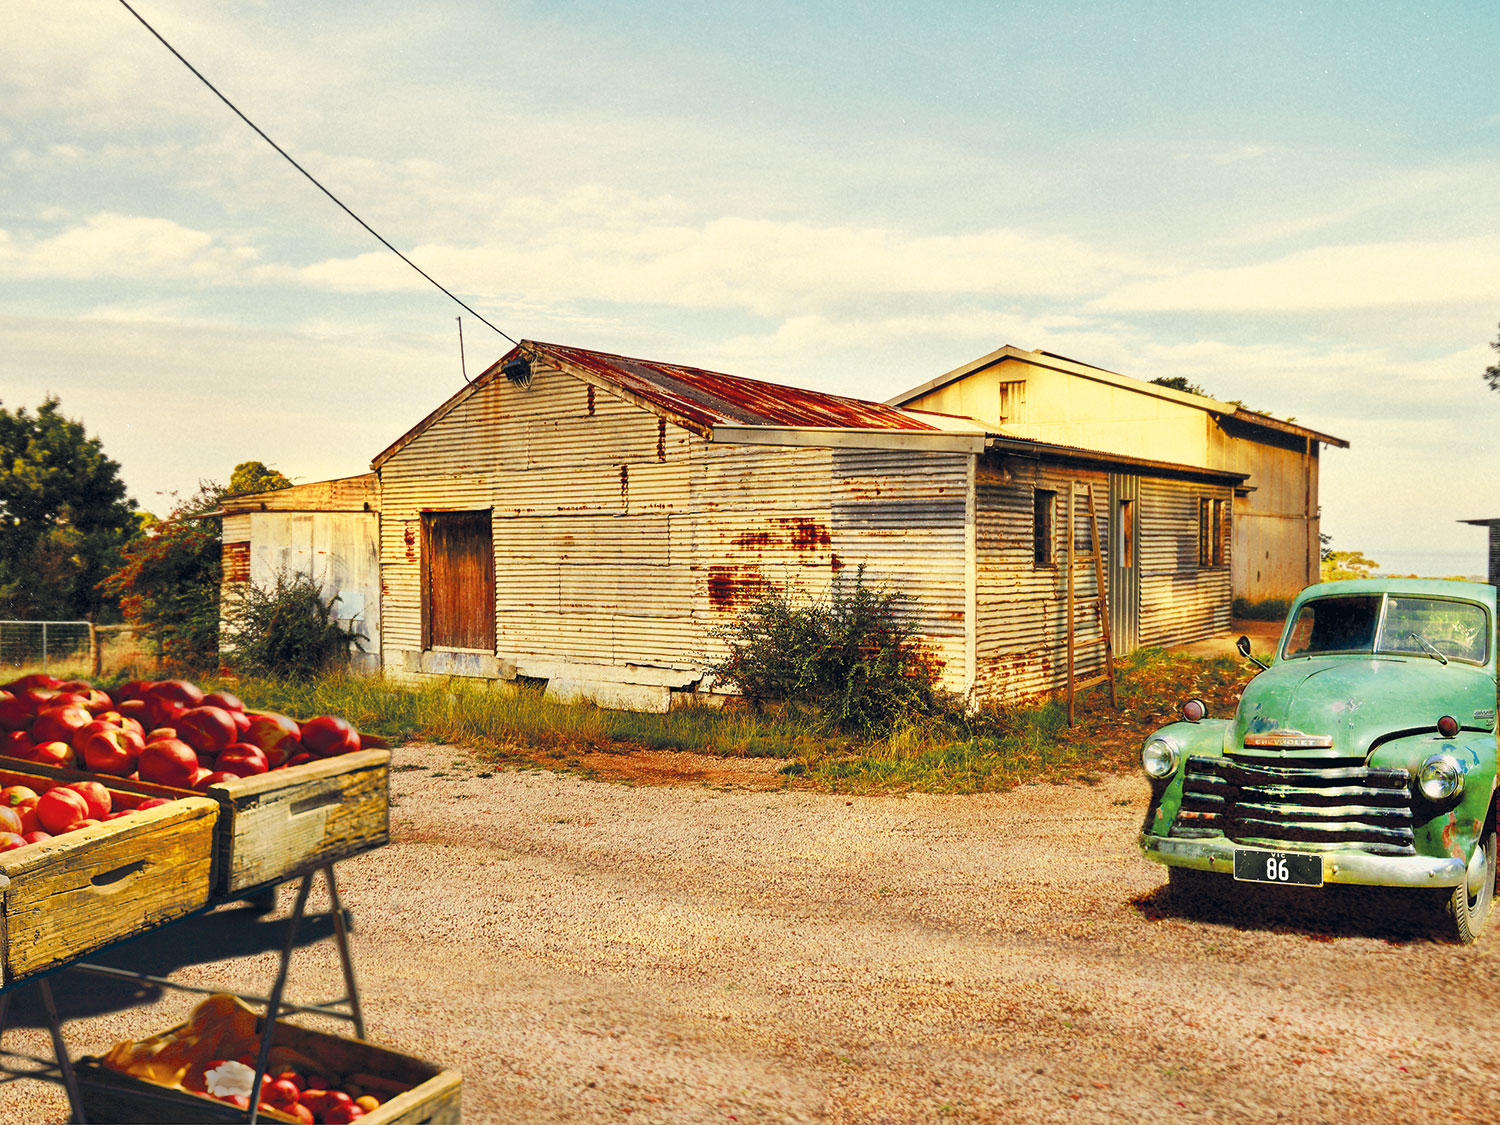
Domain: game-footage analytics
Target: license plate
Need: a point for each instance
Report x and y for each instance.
(1296, 869)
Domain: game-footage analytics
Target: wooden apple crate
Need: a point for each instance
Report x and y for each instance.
(290, 821)
(64, 897)
(432, 1098)
(285, 822)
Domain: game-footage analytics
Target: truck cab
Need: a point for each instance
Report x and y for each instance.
(1363, 752)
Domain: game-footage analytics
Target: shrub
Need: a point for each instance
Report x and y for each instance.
(285, 629)
(853, 658)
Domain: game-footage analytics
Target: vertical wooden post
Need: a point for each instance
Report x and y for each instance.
(96, 653)
(1069, 532)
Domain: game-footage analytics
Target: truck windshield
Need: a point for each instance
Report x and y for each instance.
(1396, 623)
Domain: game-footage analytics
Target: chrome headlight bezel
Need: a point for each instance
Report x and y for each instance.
(1440, 778)
(1160, 757)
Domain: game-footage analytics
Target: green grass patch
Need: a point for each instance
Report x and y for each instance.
(995, 748)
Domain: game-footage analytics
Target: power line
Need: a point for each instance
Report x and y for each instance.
(311, 178)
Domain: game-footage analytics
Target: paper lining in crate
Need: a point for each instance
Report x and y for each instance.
(80, 890)
(156, 1079)
(286, 821)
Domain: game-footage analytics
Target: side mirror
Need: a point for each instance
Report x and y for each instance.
(1242, 646)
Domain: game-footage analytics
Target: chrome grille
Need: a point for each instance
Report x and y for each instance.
(1336, 804)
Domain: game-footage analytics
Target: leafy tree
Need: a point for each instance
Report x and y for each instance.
(168, 586)
(253, 476)
(1181, 383)
(1347, 564)
(64, 515)
(1492, 372)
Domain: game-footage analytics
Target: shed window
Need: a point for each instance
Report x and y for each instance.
(1210, 532)
(460, 581)
(1044, 527)
(1125, 535)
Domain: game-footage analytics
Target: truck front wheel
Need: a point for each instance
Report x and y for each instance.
(1472, 899)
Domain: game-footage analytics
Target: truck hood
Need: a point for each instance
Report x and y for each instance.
(1356, 700)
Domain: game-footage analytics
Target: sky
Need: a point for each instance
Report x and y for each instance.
(1291, 205)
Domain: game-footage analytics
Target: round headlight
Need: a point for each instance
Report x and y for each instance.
(1159, 758)
(1194, 710)
(1440, 779)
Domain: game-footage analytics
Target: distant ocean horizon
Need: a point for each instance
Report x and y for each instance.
(1433, 564)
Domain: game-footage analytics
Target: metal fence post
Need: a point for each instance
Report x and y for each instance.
(44, 646)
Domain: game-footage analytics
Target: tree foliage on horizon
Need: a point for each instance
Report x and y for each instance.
(1492, 372)
(254, 476)
(64, 515)
(1181, 383)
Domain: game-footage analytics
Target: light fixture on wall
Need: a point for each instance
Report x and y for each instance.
(518, 370)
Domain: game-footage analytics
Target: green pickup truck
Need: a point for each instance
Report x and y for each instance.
(1363, 752)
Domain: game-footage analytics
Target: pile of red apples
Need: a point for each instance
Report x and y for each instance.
(166, 732)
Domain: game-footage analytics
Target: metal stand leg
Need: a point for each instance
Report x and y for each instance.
(273, 1006)
(341, 936)
(60, 1050)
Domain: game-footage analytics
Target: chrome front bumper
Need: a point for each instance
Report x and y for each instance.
(1338, 867)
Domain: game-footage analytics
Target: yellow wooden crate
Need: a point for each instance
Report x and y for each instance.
(64, 897)
(284, 822)
(288, 821)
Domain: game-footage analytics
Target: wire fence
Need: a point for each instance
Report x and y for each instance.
(45, 644)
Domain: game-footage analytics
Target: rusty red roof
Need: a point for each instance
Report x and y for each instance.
(712, 398)
(691, 396)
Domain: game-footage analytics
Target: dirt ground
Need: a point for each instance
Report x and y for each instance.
(722, 949)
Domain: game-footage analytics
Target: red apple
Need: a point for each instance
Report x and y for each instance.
(153, 803)
(15, 744)
(10, 840)
(299, 759)
(178, 691)
(10, 820)
(113, 750)
(206, 729)
(242, 760)
(130, 689)
(60, 809)
(33, 680)
(14, 795)
(168, 761)
(36, 836)
(275, 734)
(241, 723)
(16, 712)
(160, 733)
(327, 736)
(95, 794)
(58, 754)
(223, 699)
(137, 710)
(162, 712)
(207, 779)
(59, 724)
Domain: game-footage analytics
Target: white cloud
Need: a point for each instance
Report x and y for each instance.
(1370, 275)
(122, 246)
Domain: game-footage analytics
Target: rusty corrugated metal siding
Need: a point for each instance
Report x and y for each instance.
(1021, 631)
(905, 516)
(1180, 601)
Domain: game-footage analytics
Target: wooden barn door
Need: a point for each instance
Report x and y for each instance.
(459, 560)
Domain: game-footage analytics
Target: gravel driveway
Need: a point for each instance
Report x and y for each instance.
(590, 951)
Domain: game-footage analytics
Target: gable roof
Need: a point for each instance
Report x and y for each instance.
(705, 401)
(1056, 362)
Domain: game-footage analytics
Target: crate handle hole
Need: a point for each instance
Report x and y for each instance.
(316, 801)
(109, 878)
